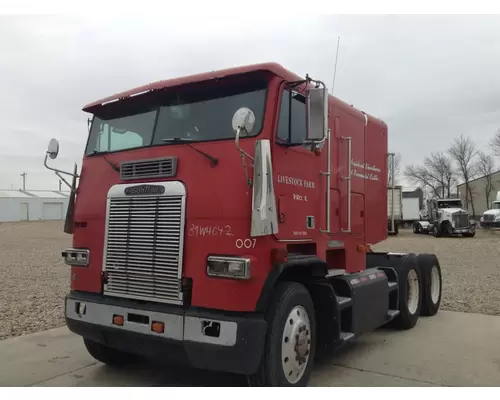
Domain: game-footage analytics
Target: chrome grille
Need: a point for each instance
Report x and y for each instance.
(488, 217)
(165, 167)
(461, 220)
(143, 254)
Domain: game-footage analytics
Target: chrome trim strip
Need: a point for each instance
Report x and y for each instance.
(177, 327)
(264, 213)
(102, 315)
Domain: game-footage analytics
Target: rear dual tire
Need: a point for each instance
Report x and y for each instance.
(432, 282)
(410, 294)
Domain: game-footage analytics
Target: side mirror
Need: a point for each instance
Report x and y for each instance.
(243, 120)
(53, 148)
(317, 114)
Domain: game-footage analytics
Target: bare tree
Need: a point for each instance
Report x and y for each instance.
(397, 169)
(485, 167)
(464, 151)
(436, 174)
(495, 143)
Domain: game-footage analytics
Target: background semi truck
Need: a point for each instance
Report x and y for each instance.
(491, 217)
(446, 217)
(224, 220)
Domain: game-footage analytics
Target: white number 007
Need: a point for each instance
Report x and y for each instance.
(247, 243)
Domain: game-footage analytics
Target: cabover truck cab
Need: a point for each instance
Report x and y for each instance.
(446, 218)
(224, 221)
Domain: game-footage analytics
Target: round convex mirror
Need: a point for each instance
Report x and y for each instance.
(53, 148)
(244, 118)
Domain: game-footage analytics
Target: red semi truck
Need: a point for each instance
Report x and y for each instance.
(224, 221)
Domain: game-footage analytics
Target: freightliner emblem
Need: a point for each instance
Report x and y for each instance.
(144, 190)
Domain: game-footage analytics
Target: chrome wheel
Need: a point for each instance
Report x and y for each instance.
(413, 291)
(435, 284)
(296, 344)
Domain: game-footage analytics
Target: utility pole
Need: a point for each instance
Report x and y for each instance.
(24, 180)
(60, 185)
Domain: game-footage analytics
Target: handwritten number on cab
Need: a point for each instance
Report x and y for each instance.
(219, 230)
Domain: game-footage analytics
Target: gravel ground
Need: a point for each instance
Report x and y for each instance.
(34, 279)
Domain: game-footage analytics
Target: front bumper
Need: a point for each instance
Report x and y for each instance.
(463, 230)
(237, 346)
(490, 224)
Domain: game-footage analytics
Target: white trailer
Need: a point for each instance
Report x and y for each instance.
(411, 210)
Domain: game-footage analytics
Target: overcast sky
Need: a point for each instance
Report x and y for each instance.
(430, 78)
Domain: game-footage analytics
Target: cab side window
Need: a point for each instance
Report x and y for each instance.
(292, 123)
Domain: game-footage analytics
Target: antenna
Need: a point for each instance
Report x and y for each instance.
(335, 69)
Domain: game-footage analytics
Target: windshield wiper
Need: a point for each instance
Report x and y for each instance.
(214, 161)
(177, 139)
(112, 164)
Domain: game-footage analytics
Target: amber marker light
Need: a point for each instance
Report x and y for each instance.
(158, 327)
(118, 320)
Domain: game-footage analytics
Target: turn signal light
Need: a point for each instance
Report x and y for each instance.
(158, 327)
(364, 248)
(118, 320)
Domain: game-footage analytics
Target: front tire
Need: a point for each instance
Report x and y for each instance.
(437, 230)
(108, 355)
(291, 338)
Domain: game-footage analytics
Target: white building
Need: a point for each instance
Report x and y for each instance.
(33, 205)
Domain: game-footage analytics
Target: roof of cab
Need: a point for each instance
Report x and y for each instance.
(274, 68)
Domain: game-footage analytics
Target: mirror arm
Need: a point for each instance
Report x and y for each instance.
(243, 153)
(57, 171)
(237, 143)
(64, 180)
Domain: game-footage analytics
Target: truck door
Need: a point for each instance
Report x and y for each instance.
(297, 179)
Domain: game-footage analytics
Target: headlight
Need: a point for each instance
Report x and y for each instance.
(76, 257)
(497, 218)
(228, 267)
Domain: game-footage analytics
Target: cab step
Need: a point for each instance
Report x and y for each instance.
(344, 302)
(391, 314)
(345, 336)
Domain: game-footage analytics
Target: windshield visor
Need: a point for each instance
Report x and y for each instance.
(193, 113)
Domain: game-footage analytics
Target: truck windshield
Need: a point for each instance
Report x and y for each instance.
(194, 115)
(496, 205)
(450, 204)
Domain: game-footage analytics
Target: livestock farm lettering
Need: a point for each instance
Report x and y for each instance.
(288, 180)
